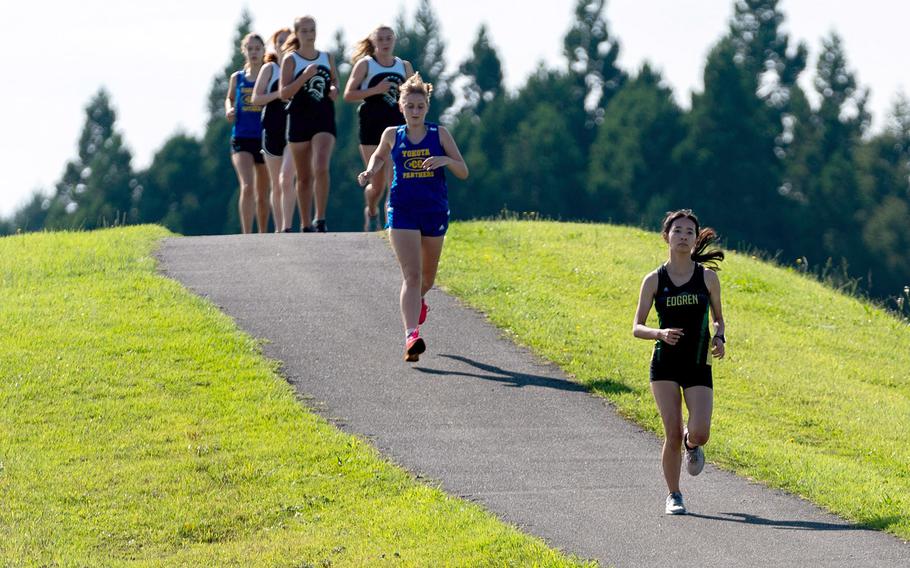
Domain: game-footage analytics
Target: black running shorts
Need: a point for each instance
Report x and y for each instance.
(251, 145)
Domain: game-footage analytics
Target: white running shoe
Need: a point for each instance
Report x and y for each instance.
(675, 504)
(695, 459)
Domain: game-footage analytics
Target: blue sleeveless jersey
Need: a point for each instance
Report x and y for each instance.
(248, 118)
(414, 188)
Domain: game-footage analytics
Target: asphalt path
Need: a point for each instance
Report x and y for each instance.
(490, 422)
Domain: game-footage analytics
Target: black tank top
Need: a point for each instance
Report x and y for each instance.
(684, 307)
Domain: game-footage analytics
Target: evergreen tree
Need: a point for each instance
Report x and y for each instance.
(422, 44)
(97, 187)
(731, 172)
(482, 74)
(591, 54)
(170, 186)
(833, 191)
(632, 175)
(544, 167)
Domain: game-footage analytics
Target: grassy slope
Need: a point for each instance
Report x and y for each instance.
(813, 397)
(139, 426)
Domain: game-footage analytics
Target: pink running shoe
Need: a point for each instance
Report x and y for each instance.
(414, 346)
(424, 308)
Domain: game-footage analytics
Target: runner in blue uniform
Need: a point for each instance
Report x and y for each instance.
(683, 291)
(274, 125)
(375, 79)
(246, 137)
(310, 82)
(418, 200)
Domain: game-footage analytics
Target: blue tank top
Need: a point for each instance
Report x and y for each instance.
(248, 117)
(412, 186)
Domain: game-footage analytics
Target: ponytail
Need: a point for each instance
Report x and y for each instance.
(274, 54)
(363, 48)
(701, 253)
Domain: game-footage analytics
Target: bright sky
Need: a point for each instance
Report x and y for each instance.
(157, 59)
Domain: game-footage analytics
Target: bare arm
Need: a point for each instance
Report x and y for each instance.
(333, 79)
(452, 159)
(380, 156)
(718, 347)
(287, 84)
(408, 69)
(229, 111)
(260, 97)
(645, 301)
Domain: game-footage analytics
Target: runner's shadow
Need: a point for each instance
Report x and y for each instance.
(778, 524)
(498, 374)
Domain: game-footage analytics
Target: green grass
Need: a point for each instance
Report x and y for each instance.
(138, 426)
(813, 396)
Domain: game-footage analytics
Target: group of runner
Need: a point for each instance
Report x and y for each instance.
(282, 106)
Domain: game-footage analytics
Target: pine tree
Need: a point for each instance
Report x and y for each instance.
(170, 188)
(482, 74)
(97, 187)
(422, 44)
(632, 176)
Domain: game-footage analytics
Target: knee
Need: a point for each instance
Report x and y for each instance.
(698, 436)
(304, 180)
(411, 279)
(321, 170)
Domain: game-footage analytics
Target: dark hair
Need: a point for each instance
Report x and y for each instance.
(705, 238)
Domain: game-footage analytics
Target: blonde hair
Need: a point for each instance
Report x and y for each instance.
(292, 43)
(415, 85)
(273, 41)
(367, 46)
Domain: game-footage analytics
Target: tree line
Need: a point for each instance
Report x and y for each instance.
(806, 182)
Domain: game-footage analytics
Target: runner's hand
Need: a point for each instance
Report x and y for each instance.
(383, 87)
(717, 348)
(670, 336)
(230, 115)
(364, 177)
(435, 162)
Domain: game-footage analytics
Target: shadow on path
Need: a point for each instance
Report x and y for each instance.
(518, 380)
(780, 524)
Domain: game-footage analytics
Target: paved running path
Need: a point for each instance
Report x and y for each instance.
(491, 422)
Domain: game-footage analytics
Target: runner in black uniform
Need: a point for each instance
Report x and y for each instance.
(310, 82)
(375, 78)
(274, 125)
(245, 137)
(682, 291)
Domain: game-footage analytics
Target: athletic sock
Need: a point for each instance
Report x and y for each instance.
(686, 443)
(410, 332)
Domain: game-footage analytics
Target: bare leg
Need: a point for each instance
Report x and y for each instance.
(406, 244)
(243, 165)
(302, 153)
(700, 402)
(669, 403)
(431, 250)
(273, 164)
(323, 143)
(286, 187)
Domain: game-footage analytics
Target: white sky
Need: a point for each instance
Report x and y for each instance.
(157, 59)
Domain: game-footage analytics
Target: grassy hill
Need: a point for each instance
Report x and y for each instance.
(813, 396)
(138, 426)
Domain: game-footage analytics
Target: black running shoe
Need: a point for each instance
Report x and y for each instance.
(308, 229)
(320, 226)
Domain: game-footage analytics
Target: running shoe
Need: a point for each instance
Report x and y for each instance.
(675, 504)
(424, 308)
(414, 346)
(320, 226)
(308, 229)
(695, 458)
